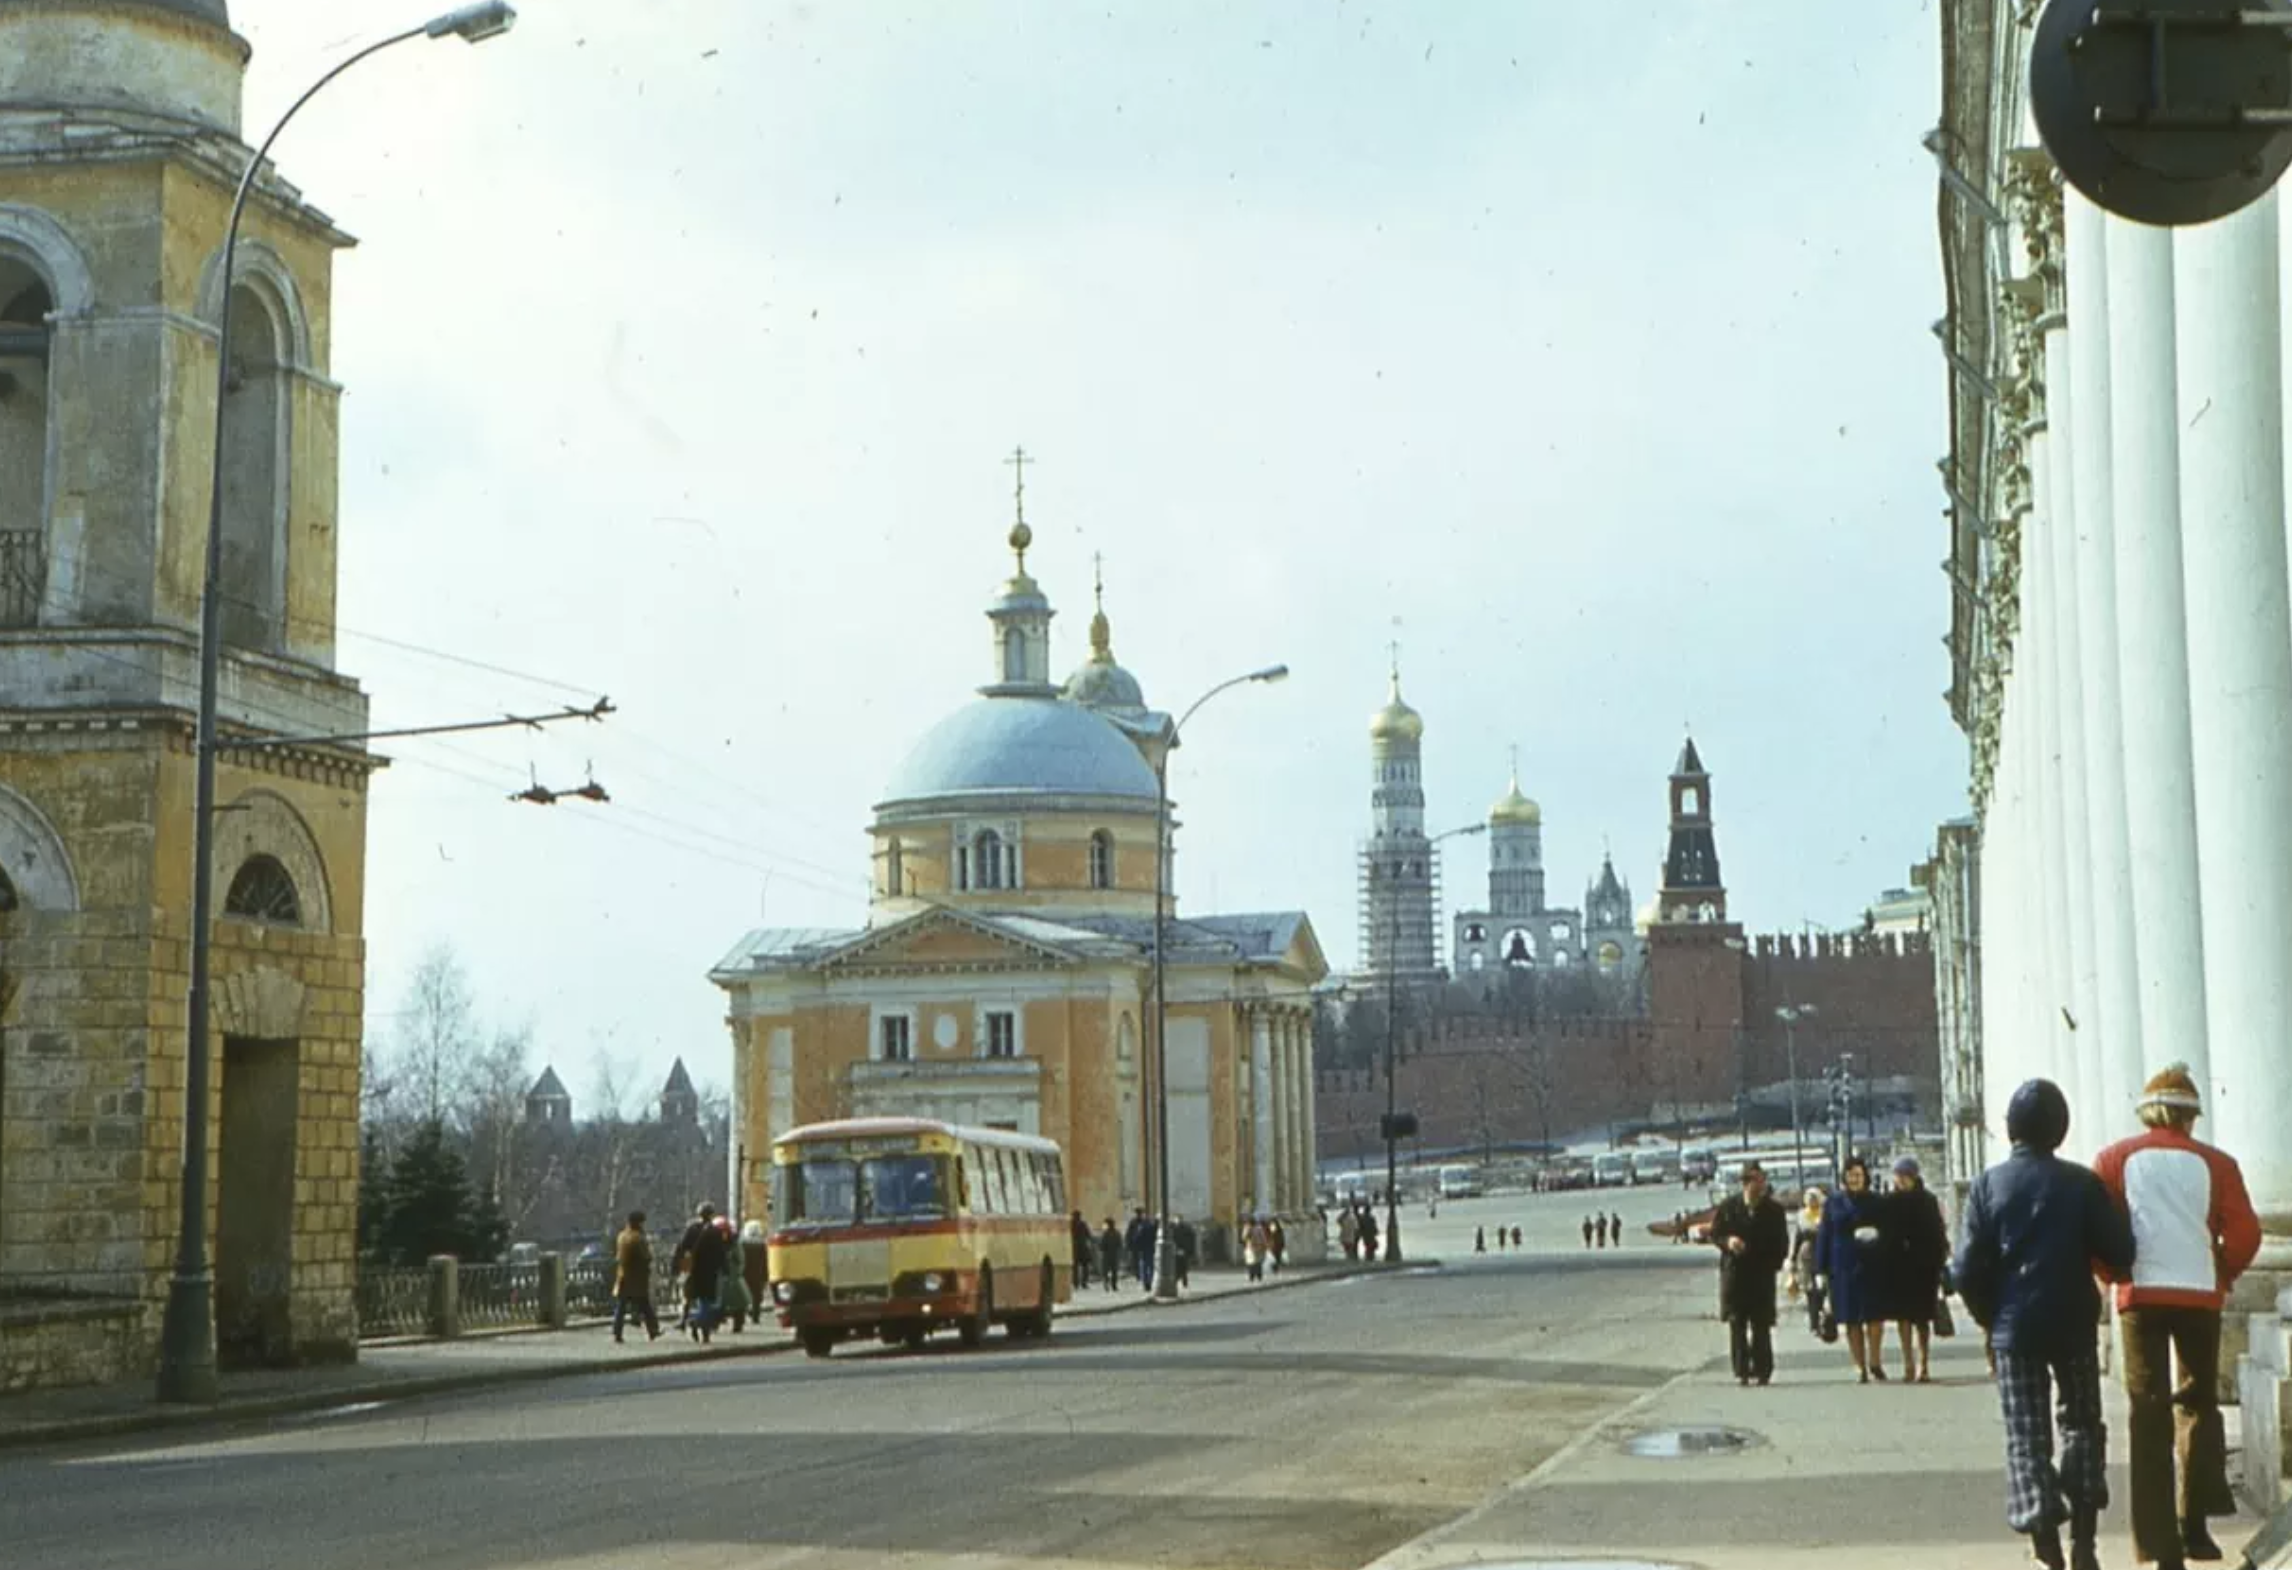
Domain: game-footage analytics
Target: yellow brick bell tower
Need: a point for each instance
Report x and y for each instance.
(119, 153)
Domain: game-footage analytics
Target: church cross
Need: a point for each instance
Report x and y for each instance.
(1018, 460)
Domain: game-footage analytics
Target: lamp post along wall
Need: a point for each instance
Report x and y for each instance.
(1393, 1127)
(187, 1332)
(1165, 1245)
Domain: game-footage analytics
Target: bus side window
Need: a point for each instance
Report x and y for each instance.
(1057, 1185)
(1032, 1165)
(1045, 1202)
(963, 1196)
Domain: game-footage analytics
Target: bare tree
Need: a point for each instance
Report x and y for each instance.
(439, 1033)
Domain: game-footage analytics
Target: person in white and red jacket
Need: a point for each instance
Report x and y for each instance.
(2193, 1234)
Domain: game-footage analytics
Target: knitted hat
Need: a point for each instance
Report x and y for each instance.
(2172, 1086)
(1906, 1166)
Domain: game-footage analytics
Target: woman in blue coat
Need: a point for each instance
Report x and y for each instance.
(1854, 1251)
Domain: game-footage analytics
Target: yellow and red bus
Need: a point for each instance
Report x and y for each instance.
(897, 1227)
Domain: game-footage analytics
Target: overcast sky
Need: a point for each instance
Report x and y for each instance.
(686, 340)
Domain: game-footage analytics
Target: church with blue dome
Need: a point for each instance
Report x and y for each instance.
(1004, 975)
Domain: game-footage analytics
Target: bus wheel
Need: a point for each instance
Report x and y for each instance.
(911, 1337)
(817, 1340)
(974, 1330)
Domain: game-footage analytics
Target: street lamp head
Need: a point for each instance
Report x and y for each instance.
(474, 23)
(1271, 673)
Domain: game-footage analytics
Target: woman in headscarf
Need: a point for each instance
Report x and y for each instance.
(1855, 1252)
(1806, 1269)
(1923, 1244)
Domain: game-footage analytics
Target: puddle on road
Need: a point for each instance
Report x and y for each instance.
(1673, 1444)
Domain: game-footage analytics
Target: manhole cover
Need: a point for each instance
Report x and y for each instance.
(1669, 1444)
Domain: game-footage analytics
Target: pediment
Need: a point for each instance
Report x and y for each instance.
(946, 940)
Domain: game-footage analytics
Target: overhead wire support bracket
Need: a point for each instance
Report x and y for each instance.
(596, 711)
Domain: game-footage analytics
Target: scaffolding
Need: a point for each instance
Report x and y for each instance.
(1398, 907)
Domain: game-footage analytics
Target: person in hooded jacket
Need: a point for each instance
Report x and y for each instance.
(2036, 1227)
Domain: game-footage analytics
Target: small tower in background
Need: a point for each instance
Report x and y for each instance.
(680, 1102)
(1691, 890)
(549, 1102)
(1400, 876)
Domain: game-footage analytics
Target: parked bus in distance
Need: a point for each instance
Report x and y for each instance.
(897, 1227)
(1349, 1188)
(1698, 1164)
(1611, 1169)
(1654, 1166)
(1459, 1182)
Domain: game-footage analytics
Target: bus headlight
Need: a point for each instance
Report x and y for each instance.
(933, 1281)
(783, 1291)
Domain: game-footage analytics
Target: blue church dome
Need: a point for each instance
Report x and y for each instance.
(1016, 746)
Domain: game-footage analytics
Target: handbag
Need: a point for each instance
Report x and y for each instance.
(1944, 1324)
(1826, 1325)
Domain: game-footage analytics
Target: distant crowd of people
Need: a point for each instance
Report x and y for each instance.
(1600, 1230)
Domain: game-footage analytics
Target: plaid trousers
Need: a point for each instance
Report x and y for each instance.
(2040, 1392)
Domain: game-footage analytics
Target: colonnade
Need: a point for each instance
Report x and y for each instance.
(2136, 854)
(1279, 1174)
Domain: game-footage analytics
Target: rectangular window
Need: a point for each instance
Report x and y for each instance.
(963, 866)
(897, 1043)
(1002, 1034)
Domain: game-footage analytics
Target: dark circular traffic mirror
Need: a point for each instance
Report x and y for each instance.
(2169, 112)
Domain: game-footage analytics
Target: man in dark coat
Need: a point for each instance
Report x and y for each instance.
(1084, 1247)
(700, 1256)
(2035, 1229)
(1753, 1239)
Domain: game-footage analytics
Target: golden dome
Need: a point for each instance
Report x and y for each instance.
(1396, 721)
(1513, 807)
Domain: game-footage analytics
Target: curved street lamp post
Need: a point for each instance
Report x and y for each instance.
(1165, 1247)
(1790, 1015)
(187, 1334)
(1391, 1129)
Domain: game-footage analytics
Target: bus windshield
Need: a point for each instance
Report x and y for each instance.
(831, 1191)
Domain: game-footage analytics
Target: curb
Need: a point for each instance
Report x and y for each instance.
(1284, 1283)
(227, 1413)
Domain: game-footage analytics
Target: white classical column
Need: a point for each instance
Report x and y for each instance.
(2116, 1027)
(2006, 930)
(1293, 1110)
(2152, 644)
(2226, 317)
(1261, 1103)
(2083, 1043)
(2048, 1051)
(1308, 1139)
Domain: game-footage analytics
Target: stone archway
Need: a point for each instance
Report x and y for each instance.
(33, 860)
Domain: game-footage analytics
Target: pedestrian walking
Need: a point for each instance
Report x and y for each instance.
(1140, 1241)
(1922, 1242)
(1255, 1246)
(1349, 1232)
(1368, 1230)
(1182, 1249)
(1587, 1231)
(699, 1259)
(1806, 1267)
(1480, 1240)
(1616, 1229)
(1084, 1247)
(1277, 1241)
(1600, 1229)
(1753, 1238)
(1515, 1237)
(2194, 1233)
(633, 1278)
(2036, 1228)
(1110, 1256)
(1854, 1252)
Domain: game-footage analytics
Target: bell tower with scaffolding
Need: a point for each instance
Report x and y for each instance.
(1399, 865)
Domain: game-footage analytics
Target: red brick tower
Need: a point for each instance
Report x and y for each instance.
(1695, 960)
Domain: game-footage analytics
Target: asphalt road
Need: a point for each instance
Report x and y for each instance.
(1319, 1426)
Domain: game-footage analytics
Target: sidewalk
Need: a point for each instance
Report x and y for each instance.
(1879, 1477)
(400, 1368)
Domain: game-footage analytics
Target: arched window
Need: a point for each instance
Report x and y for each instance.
(894, 872)
(987, 860)
(252, 458)
(25, 302)
(1014, 655)
(1101, 860)
(262, 891)
(1691, 801)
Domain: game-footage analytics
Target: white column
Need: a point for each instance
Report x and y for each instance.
(2240, 678)
(1286, 1034)
(1308, 1145)
(1261, 1105)
(2047, 1052)
(2116, 1029)
(2005, 928)
(2152, 644)
(2083, 1043)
